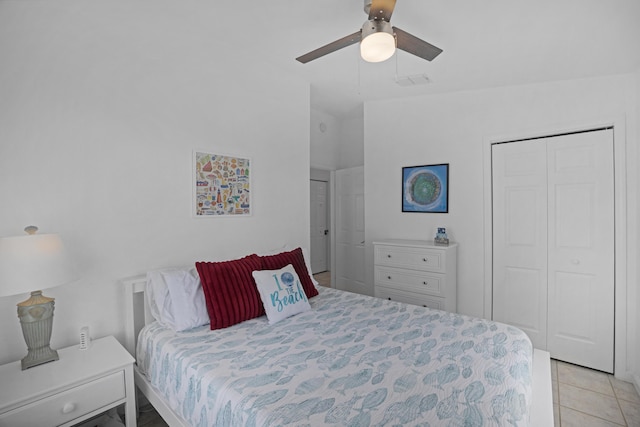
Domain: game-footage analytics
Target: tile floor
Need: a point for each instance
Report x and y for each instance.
(581, 397)
(323, 278)
(584, 397)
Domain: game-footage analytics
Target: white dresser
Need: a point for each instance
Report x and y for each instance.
(416, 272)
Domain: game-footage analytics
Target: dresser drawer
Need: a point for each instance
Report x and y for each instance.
(410, 298)
(69, 404)
(409, 257)
(410, 280)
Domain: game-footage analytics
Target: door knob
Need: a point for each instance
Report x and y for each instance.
(68, 407)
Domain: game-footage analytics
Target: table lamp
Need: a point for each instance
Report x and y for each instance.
(34, 261)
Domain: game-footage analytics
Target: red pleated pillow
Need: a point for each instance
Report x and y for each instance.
(230, 291)
(295, 258)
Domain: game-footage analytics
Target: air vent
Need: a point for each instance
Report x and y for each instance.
(416, 79)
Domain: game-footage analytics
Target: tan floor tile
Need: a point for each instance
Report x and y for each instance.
(624, 390)
(556, 415)
(554, 370)
(554, 391)
(324, 278)
(589, 402)
(631, 413)
(584, 378)
(571, 418)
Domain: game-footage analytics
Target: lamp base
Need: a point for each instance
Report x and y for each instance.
(36, 319)
(38, 357)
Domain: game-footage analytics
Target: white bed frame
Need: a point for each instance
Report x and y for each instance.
(138, 315)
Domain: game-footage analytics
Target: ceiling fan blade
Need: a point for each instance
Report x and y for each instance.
(412, 44)
(381, 9)
(331, 47)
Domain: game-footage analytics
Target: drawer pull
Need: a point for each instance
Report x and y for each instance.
(68, 407)
(425, 259)
(425, 283)
(389, 298)
(388, 256)
(388, 277)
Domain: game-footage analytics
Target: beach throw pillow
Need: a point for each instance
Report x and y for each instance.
(281, 292)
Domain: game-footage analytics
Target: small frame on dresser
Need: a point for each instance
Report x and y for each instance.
(425, 188)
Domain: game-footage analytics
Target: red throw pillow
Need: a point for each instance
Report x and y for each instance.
(230, 291)
(295, 258)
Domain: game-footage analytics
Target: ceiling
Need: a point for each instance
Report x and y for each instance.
(486, 43)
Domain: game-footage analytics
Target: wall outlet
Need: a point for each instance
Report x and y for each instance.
(85, 340)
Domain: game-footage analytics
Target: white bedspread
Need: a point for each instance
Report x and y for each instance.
(352, 360)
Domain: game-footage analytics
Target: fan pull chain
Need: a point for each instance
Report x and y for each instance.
(358, 59)
(396, 55)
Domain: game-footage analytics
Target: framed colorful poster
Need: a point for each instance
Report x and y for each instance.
(425, 188)
(221, 185)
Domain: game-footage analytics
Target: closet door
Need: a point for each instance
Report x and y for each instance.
(553, 242)
(520, 237)
(581, 249)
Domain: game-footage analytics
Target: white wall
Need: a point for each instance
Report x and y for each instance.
(101, 106)
(337, 142)
(634, 317)
(452, 128)
(324, 139)
(351, 149)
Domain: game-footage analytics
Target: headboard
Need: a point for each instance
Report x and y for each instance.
(137, 313)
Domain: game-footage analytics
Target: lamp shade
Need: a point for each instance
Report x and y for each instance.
(378, 43)
(30, 262)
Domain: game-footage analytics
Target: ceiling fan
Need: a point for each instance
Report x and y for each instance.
(378, 39)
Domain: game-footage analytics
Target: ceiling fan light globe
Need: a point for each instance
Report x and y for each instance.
(377, 47)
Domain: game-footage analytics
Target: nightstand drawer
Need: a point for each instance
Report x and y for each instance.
(409, 257)
(426, 283)
(69, 404)
(410, 298)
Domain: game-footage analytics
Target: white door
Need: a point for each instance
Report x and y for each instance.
(581, 249)
(349, 269)
(553, 244)
(520, 237)
(319, 230)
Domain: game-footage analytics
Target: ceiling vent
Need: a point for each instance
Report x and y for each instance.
(416, 79)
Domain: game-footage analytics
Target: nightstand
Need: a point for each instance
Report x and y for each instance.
(82, 384)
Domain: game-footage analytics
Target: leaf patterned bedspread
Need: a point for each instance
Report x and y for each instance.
(352, 360)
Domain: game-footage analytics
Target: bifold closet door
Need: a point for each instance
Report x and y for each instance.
(581, 249)
(520, 237)
(554, 244)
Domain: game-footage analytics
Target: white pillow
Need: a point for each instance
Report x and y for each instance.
(281, 293)
(176, 299)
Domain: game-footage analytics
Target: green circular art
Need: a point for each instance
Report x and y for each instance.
(425, 188)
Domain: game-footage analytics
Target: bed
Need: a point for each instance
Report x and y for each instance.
(348, 360)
